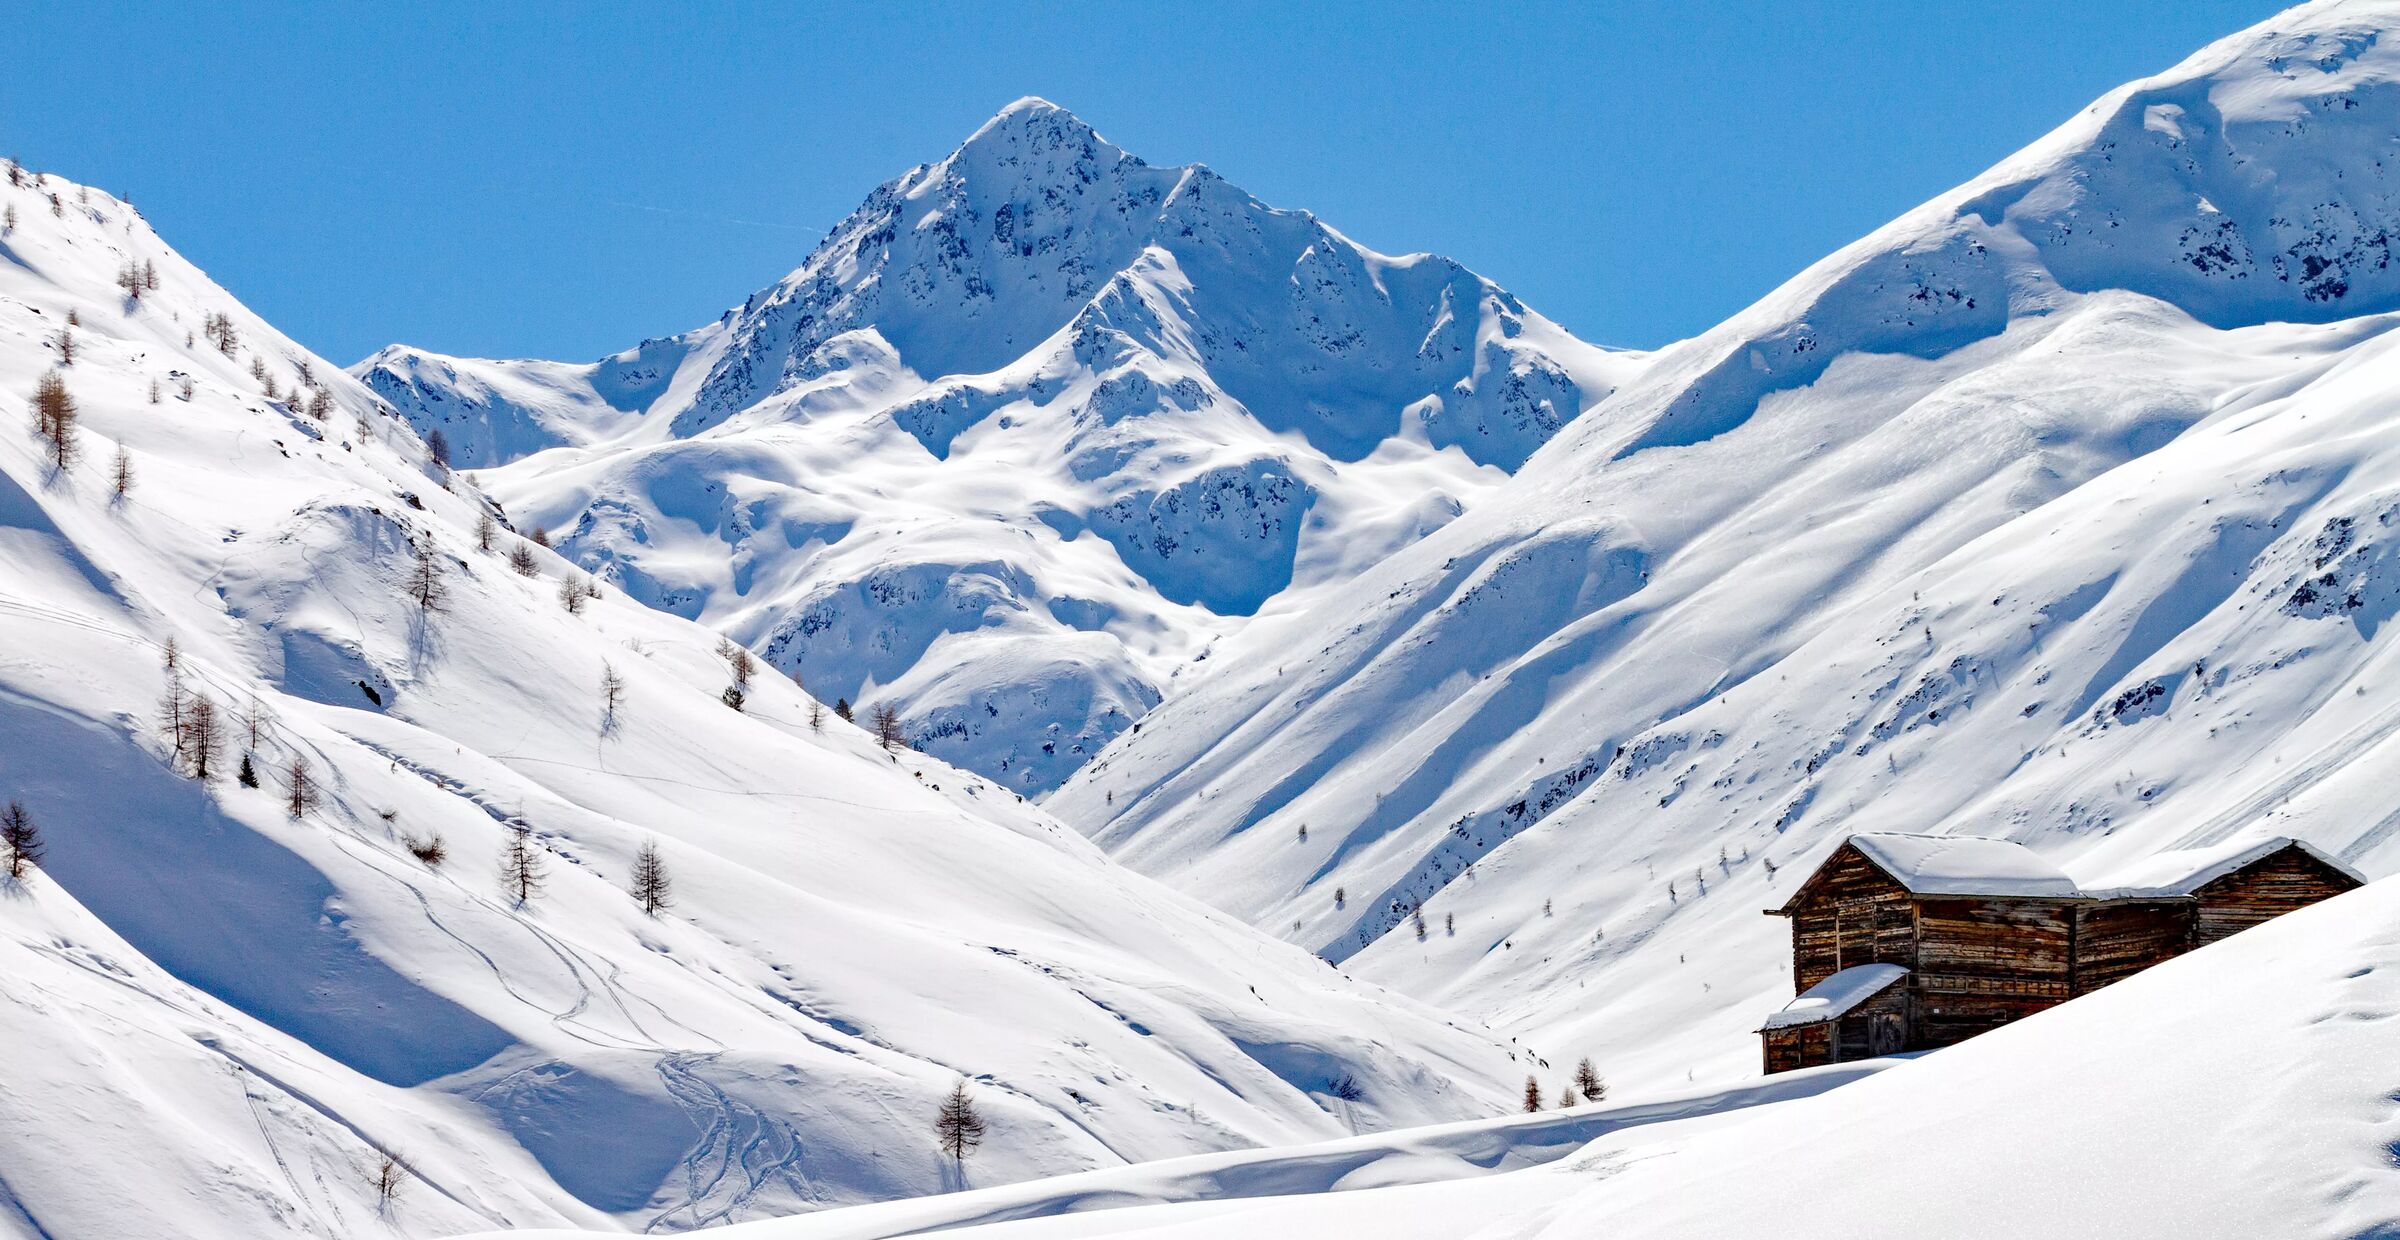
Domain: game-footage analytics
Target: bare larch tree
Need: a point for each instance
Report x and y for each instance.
(612, 693)
(54, 418)
(300, 789)
(1588, 1082)
(203, 737)
(20, 840)
(651, 888)
(521, 865)
(425, 584)
(957, 1127)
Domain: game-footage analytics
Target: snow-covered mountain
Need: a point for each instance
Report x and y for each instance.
(2063, 508)
(224, 1002)
(1025, 434)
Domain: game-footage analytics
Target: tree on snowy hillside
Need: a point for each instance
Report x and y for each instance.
(521, 561)
(521, 865)
(485, 530)
(221, 333)
(651, 888)
(255, 718)
(54, 417)
(437, 451)
(120, 473)
(203, 738)
(300, 789)
(389, 1178)
(1533, 1094)
(612, 694)
(425, 584)
(740, 660)
(1588, 1082)
(958, 1127)
(20, 840)
(887, 725)
(129, 278)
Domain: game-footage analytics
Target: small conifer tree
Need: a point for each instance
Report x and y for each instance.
(20, 840)
(425, 583)
(203, 738)
(612, 693)
(958, 1127)
(54, 419)
(1588, 1082)
(521, 870)
(300, 789)
(651, 888)
(388, 1179)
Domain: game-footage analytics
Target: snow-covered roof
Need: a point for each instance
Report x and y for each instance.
(1955, 865)
(1829, 999)
(2184, 871)
(1963, 865)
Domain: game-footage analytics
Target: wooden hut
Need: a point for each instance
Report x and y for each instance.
(1910, 942)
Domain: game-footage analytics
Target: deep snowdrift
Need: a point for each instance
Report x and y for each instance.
(2059, 509)
(2242, 1090)
(252, 1007)
(1029, 430)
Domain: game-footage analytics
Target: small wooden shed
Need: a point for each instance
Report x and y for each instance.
(1909, 942)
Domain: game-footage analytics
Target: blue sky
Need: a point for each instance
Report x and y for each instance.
(562, 181)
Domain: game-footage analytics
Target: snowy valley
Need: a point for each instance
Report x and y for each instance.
(264, 954)
(1289, 696)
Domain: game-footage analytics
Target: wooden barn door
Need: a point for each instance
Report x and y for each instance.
(1886, 1034)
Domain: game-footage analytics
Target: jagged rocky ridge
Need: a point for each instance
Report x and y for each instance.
(1029, 430)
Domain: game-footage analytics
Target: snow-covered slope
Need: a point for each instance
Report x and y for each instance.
(2063, 508)
(1026, 432)
(1465, 1150)
(2244, 1090)
(219, 1014)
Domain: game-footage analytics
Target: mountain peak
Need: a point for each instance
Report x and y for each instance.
(1034, 126)
(1030, 106)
